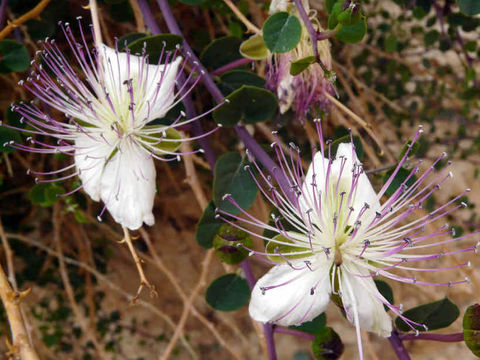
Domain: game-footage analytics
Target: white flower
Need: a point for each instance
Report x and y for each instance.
(332, 236)
(110, 106)
(334, 205)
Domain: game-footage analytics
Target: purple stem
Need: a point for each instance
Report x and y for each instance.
(189, 107)
(267, 328)
(218, 96)
(398, 347)
(3, 9)
(148, 17)
(242, 133)
(297, 333)
(434, 337)
(231, 66)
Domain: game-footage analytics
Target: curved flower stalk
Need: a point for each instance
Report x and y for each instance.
(110, 105)
(305, 92)
(331, 234)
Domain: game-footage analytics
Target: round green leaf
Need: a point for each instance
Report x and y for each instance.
(471, 329)
(129, 38)
(6, 136)
(434, 315)
(226, 244)
(235, 79)
(282, 32)
(228, 292)
(327, 345)
(296, 67)
(14, 56)
(221, 51)
(207, 227)
(45, 194)
(353, 33)
(231, 177)
(312, 327)
(469, 7)
(254, 48)
(154, 45)
(249, 104)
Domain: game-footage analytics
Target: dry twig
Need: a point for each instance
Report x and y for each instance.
(32, 14)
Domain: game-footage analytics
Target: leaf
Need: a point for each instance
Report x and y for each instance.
(282, 32)
(469, 7)
(471, 329)
(128, 39)
(254, 48)
(434, 315)
(228, 292)
(249, 104)
(207, 227)
(406, 146)
(192, 2)
(13, 56)
(168, 140)
(431, 37)
(353, 33)
(155, 45)
(346, 139)
(45, 194)
(8, 135)
(235, 79)
(329, 5)
(327, 345)
(386, 292)
(230, 177)
(221, 51)
(227, 241)
(390, 43)
(274, 249)
(398, 180)
(312, 327)
(296, 67)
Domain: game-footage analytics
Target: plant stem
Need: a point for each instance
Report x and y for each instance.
(3, 10)
(231, 66)
(457, 337)
(398, 347)
(242, 133)
(148, 17)
(32, 14)
(311, 31)
(297, 333)
(187, 100)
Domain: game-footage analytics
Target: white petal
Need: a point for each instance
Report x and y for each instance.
(364, 191)
(364, 295)
(153, 85)
(128, 187)
(90, 158)
(161, 98)
(292, 303)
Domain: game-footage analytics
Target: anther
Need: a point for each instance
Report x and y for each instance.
(263, 290)
(99, 218)
(467, 279)
(226, 196)
(408, 241)
(312, 291)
